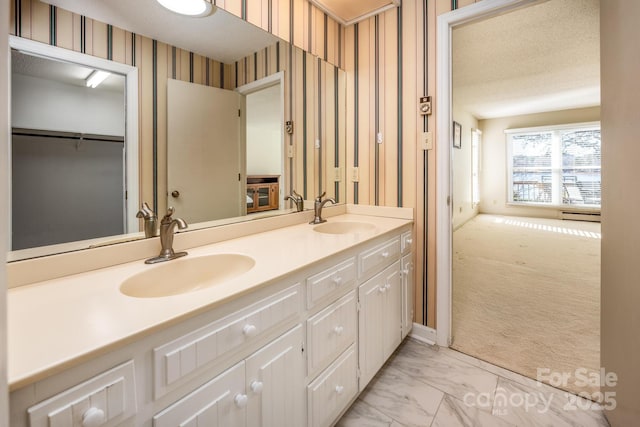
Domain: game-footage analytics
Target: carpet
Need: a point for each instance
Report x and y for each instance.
(526, 295)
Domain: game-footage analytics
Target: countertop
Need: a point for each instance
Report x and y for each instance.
(63, 322)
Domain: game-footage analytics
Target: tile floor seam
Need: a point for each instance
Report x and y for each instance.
(435, 414)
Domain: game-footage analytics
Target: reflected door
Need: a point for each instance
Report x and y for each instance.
(205, 152)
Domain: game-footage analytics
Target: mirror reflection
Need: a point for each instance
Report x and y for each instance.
(214, 138)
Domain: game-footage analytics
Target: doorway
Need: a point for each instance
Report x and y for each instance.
(531, 108)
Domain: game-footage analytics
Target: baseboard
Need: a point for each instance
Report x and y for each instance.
(423, 333)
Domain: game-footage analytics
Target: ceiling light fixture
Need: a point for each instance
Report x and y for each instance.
(96, 78)
(193, 8)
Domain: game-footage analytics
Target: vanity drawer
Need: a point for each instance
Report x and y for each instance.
(331, 331)
(379, 257)
(327, 281)
(181, 357)
(217, 403)
(332, 391)
(109, 397)
(406, 241)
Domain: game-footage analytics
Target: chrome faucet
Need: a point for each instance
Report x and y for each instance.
(317, 208)
(297, 199)
(167, 228)
(150, 220)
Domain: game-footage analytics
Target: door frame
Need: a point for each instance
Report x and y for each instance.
(131, 178)
(263, 83)
(444, 191)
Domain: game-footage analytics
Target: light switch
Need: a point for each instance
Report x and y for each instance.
(427, 140)
(355, 174)
(337, 174)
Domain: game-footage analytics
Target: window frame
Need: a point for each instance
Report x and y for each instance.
(556, 130)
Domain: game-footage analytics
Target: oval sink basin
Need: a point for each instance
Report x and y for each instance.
(186, 275)
(345, 227)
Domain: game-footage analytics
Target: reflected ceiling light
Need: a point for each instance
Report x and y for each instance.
(96, 78)
(195, 8)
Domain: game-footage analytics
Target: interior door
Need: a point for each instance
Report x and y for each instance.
(205, 153)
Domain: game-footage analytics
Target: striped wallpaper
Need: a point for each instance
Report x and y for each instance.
(389, 61)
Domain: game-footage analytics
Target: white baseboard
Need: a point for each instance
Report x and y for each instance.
(423, 333)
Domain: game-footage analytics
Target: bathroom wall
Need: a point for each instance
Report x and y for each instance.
(620, 322)
(4, 214)
(493, 182)
(390, 62)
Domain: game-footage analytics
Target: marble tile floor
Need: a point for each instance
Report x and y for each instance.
(428, 386)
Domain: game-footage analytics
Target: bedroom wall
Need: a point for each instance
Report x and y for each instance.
(463, 207)
(493, 177)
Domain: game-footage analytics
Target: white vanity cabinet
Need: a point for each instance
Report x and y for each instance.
(264, 390)
(293, 352)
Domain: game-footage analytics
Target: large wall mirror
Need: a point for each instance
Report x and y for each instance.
(214, 94)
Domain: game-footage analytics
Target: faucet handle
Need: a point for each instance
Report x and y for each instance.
(319, 198)
(296, 195)
(170, 211)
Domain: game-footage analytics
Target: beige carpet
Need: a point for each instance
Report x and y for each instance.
(526, 294)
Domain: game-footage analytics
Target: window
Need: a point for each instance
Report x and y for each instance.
(555, 166)
(476, 139)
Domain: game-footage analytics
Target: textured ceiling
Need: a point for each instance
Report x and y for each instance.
(220, 36)
(541, 58)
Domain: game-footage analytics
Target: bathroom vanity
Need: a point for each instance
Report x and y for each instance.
(290, 327)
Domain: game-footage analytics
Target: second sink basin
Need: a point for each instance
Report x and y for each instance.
(186, 275)
(345, 227)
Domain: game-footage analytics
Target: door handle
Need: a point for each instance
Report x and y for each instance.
(175, 193)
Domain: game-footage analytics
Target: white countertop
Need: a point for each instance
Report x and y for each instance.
(66, 321)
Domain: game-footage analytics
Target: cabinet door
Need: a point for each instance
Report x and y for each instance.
(408, 284)
(370, 322)
(392, 310)
(379, 320)
(275, 383)
(219, 403)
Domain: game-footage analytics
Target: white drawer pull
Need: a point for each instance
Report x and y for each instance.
(409, 242)
(249, 330)
(337, 280)
(93, 417)
(338, 330)
(405, 271)
(382, 289)
(384, 254)
(241, 400)
(387, 286)
(256, 387)
(339, 389)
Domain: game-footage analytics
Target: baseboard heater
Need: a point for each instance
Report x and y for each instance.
(580, 216)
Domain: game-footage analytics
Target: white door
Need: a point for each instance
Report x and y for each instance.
(275, 383)
(205, 153)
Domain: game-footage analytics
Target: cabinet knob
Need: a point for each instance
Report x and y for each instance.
(405, 271)
(382, 289)
(337, 280)
(256, 386)
(387, 286)
(384, 254)
(93, 417)
(249, 330)
(241, 400)
(339, 389)
(338, 330)
(409, 242)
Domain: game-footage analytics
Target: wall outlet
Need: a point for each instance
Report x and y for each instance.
(427, 141)
(337, 174)
(290, 151)
(355, 174)
(317, 143)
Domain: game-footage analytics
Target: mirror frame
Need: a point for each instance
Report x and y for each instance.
(132, 176)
